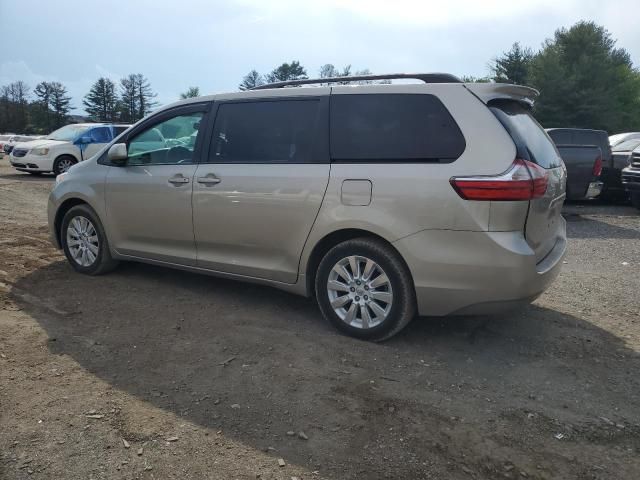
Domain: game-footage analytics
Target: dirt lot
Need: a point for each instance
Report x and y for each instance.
(153, 373)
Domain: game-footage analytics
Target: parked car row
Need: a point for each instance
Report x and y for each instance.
(8, 141)
(599, 165)
(60, 150)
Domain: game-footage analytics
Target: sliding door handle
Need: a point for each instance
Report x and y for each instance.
(178, 180)
(209, 180)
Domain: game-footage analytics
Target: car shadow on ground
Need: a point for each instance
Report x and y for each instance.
(195, 345)
(27, 177)
(589, 227)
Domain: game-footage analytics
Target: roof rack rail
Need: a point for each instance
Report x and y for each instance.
(425, 77)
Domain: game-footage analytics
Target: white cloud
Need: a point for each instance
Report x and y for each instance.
(412, 12)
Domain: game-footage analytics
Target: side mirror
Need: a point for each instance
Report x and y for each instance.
(84, 140)
(117, 154)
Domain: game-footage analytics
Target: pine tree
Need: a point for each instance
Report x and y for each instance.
(136, 97)
(250, 80)
(60, 104)
(191, 92)
(287, 71)
(101, 103)
(513, 66)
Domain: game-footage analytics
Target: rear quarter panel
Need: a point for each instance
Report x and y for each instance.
(411, 197)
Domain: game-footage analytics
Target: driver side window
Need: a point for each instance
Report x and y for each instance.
(169, 142)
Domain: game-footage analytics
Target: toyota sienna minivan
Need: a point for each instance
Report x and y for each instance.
(382, 201)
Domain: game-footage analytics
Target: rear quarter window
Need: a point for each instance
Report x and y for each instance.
(530, 138)
(393, 128)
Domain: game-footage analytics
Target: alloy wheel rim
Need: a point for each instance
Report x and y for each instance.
(360, 292)
(82, 241)
(64, 165)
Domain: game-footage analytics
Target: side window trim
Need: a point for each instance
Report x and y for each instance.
(320, 147)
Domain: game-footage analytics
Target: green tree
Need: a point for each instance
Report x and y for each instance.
(191, 92)
(328, 71)
(512, 66)
(136, 97)
(14, 107)
(472, 79)
(287, 71)
(60, 104)
(41, 108)
(585, 81)
(101, 103)
(250, 80)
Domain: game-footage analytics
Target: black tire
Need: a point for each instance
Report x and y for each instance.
(103, 262)
(403, 306)
(635, 199)
(60, 163)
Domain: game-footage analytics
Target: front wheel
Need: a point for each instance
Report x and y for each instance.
(635, 199)
(63, 163)
(364, 288)
(84, 241)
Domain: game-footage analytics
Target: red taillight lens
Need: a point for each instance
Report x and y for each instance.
(597, 167)
(523, 181)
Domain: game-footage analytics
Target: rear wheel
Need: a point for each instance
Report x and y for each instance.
(364, 288)
(63, 163)
(84, 242)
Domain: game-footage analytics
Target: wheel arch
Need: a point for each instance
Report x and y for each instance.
(332, 239)
(64, 207)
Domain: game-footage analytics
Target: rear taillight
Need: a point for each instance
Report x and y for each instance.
(597, 167)
(523, 181)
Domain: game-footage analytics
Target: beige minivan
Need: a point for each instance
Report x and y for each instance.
(382, 201)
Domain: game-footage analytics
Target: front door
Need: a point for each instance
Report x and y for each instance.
(257, 194)
(148, 201)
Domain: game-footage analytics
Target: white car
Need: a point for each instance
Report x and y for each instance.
(617, 139)
(4, 139)
(63, 148)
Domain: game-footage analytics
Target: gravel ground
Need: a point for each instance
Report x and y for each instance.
(153, 373)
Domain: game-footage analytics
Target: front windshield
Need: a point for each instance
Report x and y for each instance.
(627, 146)
(68, 133)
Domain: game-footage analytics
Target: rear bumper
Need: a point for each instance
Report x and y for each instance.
(477, 273)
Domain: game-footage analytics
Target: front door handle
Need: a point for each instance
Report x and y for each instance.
(209, 180)
(178, 180)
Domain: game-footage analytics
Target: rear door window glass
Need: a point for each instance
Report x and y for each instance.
(280, 131)
(527, 133)
(393, 128)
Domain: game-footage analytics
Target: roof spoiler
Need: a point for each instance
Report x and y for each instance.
(497, 91)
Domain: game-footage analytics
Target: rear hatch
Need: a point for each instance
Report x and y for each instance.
(544, 226)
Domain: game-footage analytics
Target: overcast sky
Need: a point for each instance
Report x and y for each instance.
(212, 44)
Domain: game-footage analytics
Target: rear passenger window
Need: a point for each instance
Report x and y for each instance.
(393, 127)
(279, 131)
